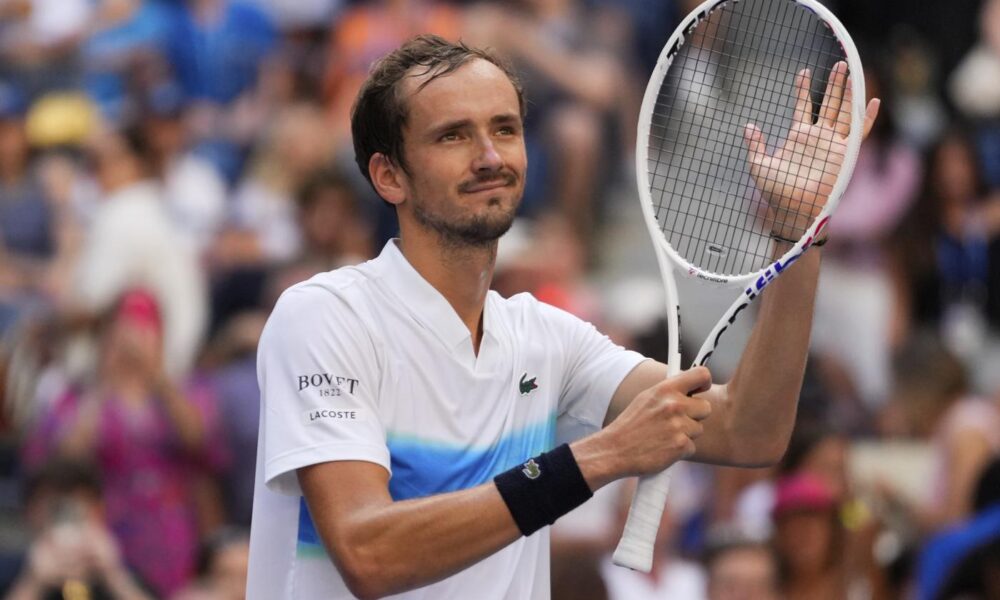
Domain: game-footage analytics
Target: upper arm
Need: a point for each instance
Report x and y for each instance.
(319, 377)
(644, 376)
(593, 367)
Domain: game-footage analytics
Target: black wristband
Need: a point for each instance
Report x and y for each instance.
(543, 489)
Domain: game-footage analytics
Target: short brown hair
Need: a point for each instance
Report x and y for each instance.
(380, 113)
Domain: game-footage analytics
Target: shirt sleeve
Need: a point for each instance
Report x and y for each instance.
(318, 373)
(594, 368)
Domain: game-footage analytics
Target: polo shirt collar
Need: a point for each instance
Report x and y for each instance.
(423, 300)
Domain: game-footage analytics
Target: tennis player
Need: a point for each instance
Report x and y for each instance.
(414, 425)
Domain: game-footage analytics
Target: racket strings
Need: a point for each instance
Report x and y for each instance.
(739, 67)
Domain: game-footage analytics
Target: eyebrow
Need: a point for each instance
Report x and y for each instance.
(500, 119)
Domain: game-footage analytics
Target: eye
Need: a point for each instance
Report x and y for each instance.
(450, 136)
(507, 130)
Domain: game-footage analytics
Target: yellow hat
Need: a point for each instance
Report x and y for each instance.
(61, 119)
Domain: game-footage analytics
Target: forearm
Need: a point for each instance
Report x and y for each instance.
(762, 397)
(382, 547)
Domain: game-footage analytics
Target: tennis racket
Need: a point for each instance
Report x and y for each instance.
(748, 134)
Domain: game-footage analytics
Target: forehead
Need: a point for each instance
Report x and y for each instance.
(476, 90)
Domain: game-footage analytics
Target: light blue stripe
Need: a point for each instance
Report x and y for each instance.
(422, 467)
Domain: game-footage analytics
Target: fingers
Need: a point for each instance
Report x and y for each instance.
(871, 111)
(755, 143)
(690, 382)
(679, 392)
(843, 126)
(698, 409)
(834, 94)
(803, 104)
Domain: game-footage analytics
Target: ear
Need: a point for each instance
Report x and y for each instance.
(388, 178)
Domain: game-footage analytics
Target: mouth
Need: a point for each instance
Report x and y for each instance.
(476, 187)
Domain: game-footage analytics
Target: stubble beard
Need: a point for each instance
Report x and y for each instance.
(477, 232)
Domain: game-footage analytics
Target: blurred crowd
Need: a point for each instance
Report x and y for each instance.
(168, 167)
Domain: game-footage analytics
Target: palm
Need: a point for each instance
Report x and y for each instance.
(799, 177)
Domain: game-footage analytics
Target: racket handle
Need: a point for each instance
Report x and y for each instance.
(635, 549)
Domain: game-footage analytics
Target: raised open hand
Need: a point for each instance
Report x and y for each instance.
(799, 177)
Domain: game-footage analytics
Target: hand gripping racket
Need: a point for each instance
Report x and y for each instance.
(748, 134)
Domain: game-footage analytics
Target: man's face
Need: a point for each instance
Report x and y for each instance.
(464, 150)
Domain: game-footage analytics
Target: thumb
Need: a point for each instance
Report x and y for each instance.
(755, 143)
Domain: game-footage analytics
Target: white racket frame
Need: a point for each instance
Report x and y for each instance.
(635, 550)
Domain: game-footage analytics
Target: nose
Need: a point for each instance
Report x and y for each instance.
(487, 159)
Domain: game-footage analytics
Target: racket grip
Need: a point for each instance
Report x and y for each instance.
(635, 549)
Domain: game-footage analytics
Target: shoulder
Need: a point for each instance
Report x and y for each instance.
(345, 297)
(346, 288)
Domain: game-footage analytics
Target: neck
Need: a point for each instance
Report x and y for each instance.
(461, 273)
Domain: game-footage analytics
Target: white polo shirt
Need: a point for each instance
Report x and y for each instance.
(371, 363)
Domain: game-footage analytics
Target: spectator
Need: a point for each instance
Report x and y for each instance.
(944, 247)
(975, 84)
(151, 440)
(132, 243)
(216, 52)
(741, 569)
(232, 369)
(26, 228)
(808, 538)
(194, 191)
(975, 90)
(73, 552)
(39, 39)
(933, 390)
(218, 46)
(964, 561)
(222, 568)
(264, 229)
(126, 35)
(334, 228)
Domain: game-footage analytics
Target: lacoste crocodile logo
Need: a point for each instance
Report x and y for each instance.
(528, 386)
(531, 469)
